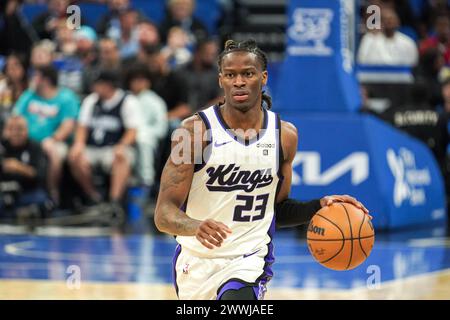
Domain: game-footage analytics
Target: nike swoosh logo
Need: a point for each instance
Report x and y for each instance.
(220, 144)
(248, 255)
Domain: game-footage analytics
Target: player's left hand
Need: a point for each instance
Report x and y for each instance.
(329, 200)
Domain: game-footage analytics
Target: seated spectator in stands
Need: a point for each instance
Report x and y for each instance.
(71, 67)
(388, 46)
(128, 42)
(109, 24)
(440, 40)
(201, 76)
(154, 124)
(430, 11)
(402, 8)
(108, 59)
(86, 39)
(180, 14)
(431, 64)
(13, 84)
(16, 35)
(23, 164)
(443, 146)
(42, 54)
(105, 137)
(50, 112)
(168, 84)
(148, 33)
(148, 36)
(47, 22)
(66, 43)
(176, 50)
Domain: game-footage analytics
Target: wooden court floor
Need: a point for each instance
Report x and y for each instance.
(428, 286)
(416, 266)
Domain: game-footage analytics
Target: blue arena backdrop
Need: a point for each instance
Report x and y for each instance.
(319, 58)
(394, 175)
(341, 151)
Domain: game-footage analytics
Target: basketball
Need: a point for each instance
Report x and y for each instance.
(340, 236)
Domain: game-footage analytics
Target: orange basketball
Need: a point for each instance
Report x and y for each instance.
(340, 236)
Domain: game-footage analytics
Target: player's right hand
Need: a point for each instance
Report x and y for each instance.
(212, 233)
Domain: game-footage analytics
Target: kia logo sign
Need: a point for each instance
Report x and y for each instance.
(357, 163)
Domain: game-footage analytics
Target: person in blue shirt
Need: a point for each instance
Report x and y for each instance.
(50, 112)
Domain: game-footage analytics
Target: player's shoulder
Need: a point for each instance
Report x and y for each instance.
(289, 139)
(289, 133)
(288, 128)
(191, 122)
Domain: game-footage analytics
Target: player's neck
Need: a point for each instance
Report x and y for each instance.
(236, 119)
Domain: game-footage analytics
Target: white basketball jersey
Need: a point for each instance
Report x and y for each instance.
(236, 185)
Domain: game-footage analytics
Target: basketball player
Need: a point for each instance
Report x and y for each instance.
(224, 204)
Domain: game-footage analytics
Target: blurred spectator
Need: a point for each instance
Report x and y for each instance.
(388, 47)
(176, 49)
(428, 71)
(47, 22)
(402, 8)
(108, 59)
(148, 34)
(128, 42)
(109, 24)
(13, 84)
(153, 111)
(443, 147)
(86, 39)
(70, 66)
(23, 164)
(16, 35)
(42, 54)
(168, 84)
(105, 137)
(430, 11)
(440, 40)
(66, 44)
(180, 13)
(201, 76)
(50, 112)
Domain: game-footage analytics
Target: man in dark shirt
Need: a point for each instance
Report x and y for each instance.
(201, 76)
(23, 166)
(180, 14)
(168, 84)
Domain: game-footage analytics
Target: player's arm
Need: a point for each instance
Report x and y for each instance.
(290, 212)
(176, 181)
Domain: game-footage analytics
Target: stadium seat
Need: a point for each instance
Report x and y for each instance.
(92, 12)
(30, 11)
(417, 6)
(154, 9)
(208, 11)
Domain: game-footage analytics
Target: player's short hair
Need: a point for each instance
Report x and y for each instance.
(249, 46)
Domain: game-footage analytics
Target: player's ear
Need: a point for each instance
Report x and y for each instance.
(265, 76)
(220, 80)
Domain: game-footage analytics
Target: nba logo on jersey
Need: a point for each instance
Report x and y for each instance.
(186, 268)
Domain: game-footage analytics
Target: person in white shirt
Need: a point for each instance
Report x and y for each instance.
(106, 135)
(153, 112)
(388, 46)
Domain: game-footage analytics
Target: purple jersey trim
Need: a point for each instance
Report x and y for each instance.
(174, 265)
